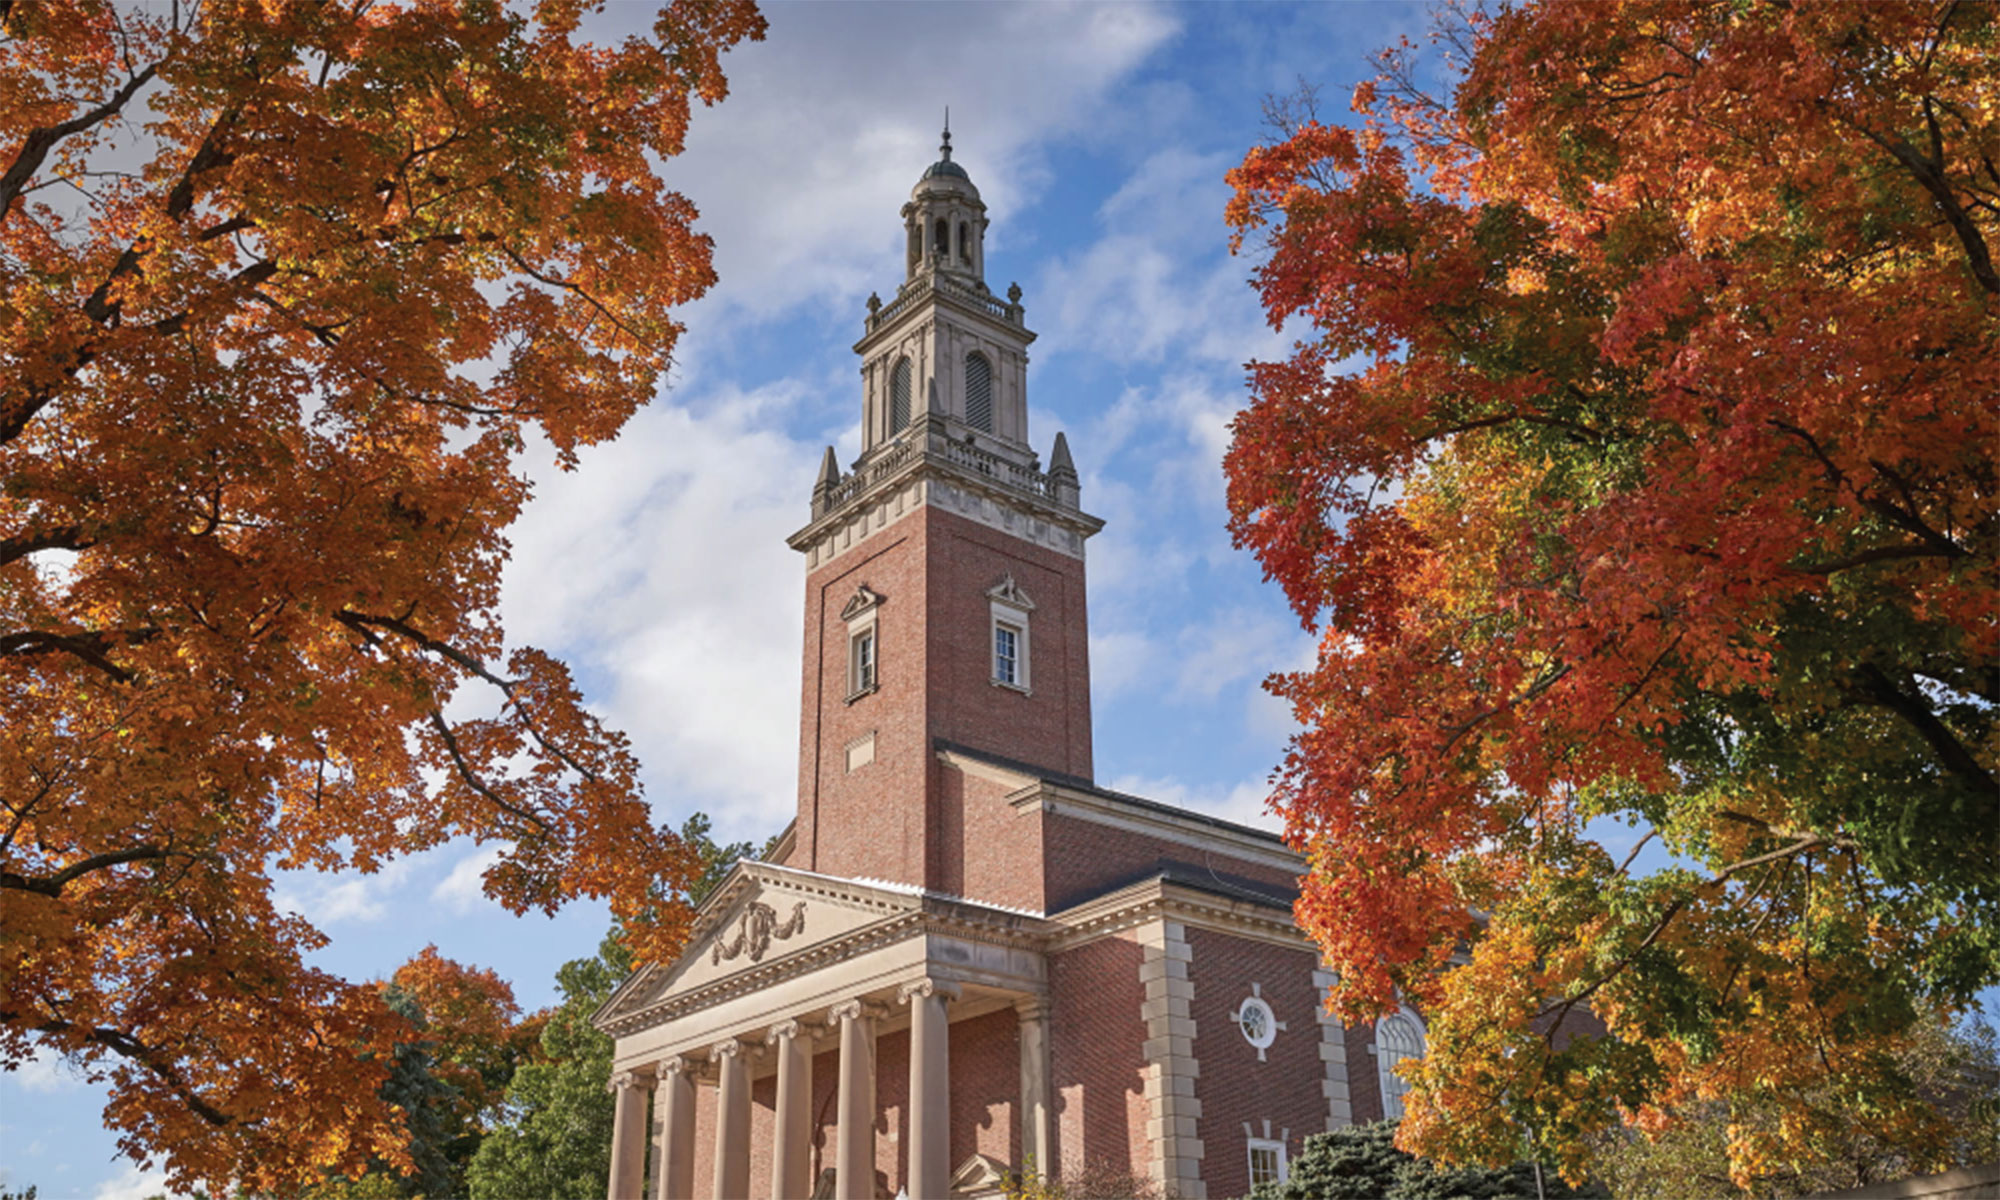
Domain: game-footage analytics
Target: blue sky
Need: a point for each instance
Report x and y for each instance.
(1098, 135)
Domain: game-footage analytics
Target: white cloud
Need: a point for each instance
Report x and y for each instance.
(1243, 803)
(44, 1072)
(798, 174)
(328, 899)
(133, 1183)
(462, 891)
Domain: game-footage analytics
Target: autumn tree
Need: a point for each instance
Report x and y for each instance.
(553, 1138)
(1957, 1068)
(285, 292)
(1635, 463)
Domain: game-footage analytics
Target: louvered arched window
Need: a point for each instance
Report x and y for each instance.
(899, 396)
(978, 392)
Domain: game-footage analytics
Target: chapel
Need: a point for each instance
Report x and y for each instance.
(965, 960)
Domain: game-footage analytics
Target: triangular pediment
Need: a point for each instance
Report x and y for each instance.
(981, 1175)
(760, 915)
(1009, 593)
(863, 599)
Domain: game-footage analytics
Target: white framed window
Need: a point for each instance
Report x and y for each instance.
(1007, 641)
(1257, 1022)
(1267, 1162)
(864, 644)
(1398, 1036)
(861, 662)
(1007, 634)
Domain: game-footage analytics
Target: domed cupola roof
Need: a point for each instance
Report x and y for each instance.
(944, 175)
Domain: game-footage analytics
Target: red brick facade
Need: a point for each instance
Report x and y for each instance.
(932, 570)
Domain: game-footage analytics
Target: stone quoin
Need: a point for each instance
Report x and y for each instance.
(964, 960)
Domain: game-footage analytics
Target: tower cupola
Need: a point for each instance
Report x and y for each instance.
(945, 221)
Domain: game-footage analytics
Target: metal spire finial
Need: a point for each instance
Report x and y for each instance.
(946, 148)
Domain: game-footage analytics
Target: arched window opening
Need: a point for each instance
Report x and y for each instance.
(943, 242)
(965, 243)
(1397, 1037)
(979, 392)
(899, 396)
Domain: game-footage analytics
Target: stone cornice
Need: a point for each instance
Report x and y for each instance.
(925, 454)
(1159, 821)
(1152, 900)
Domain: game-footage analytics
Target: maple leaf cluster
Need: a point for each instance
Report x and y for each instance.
(284, 291)
(1636, 464)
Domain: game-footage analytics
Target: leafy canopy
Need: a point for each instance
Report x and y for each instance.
(284, 291)
(1636, 463)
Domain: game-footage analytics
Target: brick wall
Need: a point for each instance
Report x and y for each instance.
(1097, 1039)
(1051, 727)
(887, 819)
(1234, 1087)
(1087, 858)
(987, 848)
(986, 1088)
(871, 822)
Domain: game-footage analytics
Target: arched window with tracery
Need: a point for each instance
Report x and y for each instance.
(1397, 1037)
(899, 396)
(978, 392)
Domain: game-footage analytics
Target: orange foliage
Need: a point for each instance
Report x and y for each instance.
(262, 384)
(1636, 462)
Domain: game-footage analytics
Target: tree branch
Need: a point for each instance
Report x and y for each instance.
(35, 148)
(63, 537)
(52, 885)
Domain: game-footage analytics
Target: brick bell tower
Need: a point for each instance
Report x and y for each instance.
(944, 572)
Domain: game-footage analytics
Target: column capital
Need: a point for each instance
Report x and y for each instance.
(727, 1048)
(857, 1009)
(621, 1080)
(670, 1066)
(1032, 1008)
(782, 1031)
(927, 988)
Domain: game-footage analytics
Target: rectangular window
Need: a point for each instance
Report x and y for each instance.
(861, 662)
(1267, 1162)
(1006, 653)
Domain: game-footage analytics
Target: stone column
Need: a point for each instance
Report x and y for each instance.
(673, 1152)
(628, 1137)
(1037, 1113)
(854, 1158)
(791, 1140)
(929, 1174)
(732, 1122)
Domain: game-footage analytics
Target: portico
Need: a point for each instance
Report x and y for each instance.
(756, 1000)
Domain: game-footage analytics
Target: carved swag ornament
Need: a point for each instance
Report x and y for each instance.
(756, 928)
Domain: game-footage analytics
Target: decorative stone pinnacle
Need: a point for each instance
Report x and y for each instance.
(1013, 293)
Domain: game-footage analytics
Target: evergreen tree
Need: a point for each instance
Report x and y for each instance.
(555, 1140)
(1361, 1162)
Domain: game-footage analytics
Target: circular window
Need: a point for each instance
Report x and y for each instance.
(1258, 1023)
